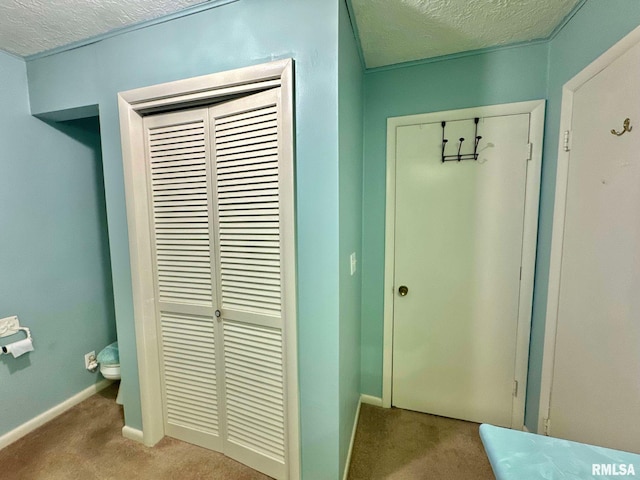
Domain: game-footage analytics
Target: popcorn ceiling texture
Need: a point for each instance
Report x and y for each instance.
(395, 31)
(33, 26)
(391, 31)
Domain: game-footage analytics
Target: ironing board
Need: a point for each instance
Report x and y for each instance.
(516, 455)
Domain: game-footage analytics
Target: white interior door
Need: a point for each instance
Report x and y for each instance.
(218, 185)
(595, 395)
(458, 250)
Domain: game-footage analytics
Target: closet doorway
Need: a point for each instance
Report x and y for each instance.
(211, 227)
(462, 215)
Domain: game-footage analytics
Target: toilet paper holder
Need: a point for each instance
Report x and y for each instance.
(5, 351)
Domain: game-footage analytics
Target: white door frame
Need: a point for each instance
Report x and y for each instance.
(207, 89)
(536, 109)
(557, 238)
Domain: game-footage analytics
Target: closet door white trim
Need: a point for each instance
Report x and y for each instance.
(133, 105)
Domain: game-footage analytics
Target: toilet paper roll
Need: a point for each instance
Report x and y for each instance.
(20, 348)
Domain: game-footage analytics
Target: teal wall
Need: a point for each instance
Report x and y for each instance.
(350, 101)
(597, 26)
(54, 254)
(246, 32)
(502, 76)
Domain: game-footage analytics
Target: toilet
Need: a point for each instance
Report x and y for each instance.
(109, 361)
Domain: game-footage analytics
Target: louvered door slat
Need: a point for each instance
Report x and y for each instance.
(266, 124)
(247, 164)
(180, 195)
(265, 168)
(161, 161)
(249, 135)
(178, 138)
(169, 148)
(226, 202)
(177, 164)
(255, 254)
(176, 129)
(264, 114)
(171, 155)
(256, 155)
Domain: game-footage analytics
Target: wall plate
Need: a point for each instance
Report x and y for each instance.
(9, 326)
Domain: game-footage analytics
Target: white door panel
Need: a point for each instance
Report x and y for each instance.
(247, 218)
(458, 249)
(595, 395)
(178, 159)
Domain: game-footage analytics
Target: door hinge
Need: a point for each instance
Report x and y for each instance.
(567, 140)
(529, 151)
(515, 388)
(547, 426)
(520, 272)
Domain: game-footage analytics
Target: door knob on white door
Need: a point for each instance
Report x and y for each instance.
(403, 290)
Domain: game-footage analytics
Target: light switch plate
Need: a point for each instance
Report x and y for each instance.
(9, 326)
(353, 263)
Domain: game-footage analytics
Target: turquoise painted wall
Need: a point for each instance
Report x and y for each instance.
(54, 254)
(350, 110)
(243, 33)
(597, 26)
(502, 76)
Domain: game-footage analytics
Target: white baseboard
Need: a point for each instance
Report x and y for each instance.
(133, 434)
(353, 438)
(29, 426)
(371, 400)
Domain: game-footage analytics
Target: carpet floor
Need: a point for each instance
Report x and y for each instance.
(394, 444)
(86, 443)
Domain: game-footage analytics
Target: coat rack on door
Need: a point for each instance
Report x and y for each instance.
(461, 156)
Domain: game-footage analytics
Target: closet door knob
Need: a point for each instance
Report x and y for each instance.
(403, 290)
(218, 313)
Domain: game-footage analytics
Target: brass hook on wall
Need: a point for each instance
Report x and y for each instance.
(626, 128)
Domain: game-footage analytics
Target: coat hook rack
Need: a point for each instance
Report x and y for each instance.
(460, 156)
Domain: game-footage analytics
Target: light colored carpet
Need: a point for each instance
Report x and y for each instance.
(394, 444)
(86, 443)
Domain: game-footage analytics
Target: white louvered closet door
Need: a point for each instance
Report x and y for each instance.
(247, 163)
(180, 189)
(215, 183)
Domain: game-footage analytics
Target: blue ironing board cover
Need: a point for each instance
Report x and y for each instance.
(516, 455)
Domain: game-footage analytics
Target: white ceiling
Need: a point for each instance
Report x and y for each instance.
(395, 31)
(391, 31)
(33, 26)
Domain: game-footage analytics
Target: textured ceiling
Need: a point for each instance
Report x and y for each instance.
(395, 31)
(33, 26)
(391, 31)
